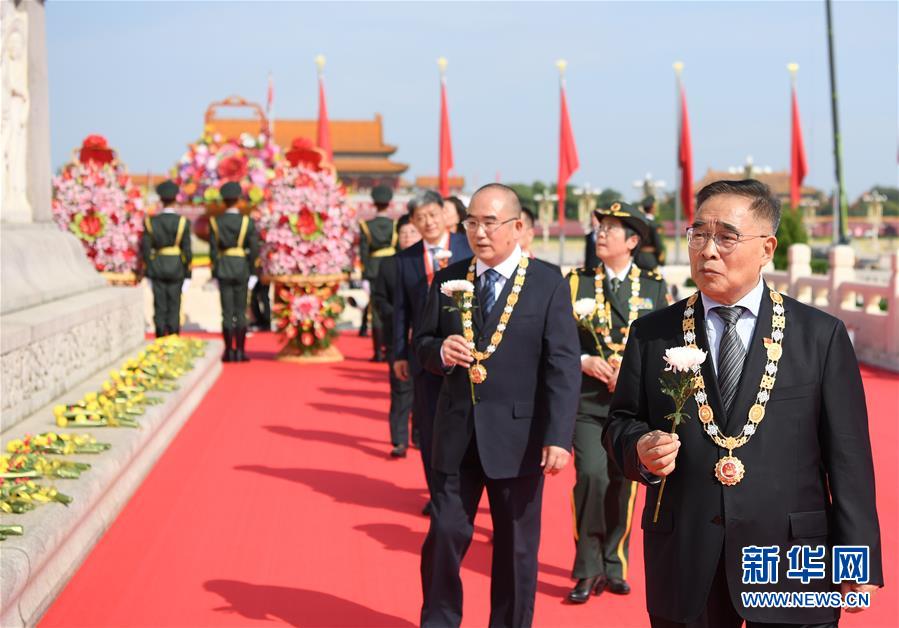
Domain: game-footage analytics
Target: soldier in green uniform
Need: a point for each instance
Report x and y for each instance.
(652, 250)
(234, 253)
(377, 241)
(603, 500)
(165, 248)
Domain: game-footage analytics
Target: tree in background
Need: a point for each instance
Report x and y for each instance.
(790, 231)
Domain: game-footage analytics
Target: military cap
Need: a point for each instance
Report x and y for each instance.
(628, 214)
(167, 191)
(381, 195)
(231, 191)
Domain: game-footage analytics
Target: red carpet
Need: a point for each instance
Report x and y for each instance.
(277, 504)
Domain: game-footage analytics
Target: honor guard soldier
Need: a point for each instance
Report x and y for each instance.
(603, 499)
(165, 248)
(377, 241)
(234, 253)
(652, 250)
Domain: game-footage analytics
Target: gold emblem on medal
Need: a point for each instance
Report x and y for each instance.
(729, 470)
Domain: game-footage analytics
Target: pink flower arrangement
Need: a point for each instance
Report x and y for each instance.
(307, 316)
(99, 203)
(213, 161)
(306, 226)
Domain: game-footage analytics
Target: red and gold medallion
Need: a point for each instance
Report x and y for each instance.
(477, 373)
(729, 470)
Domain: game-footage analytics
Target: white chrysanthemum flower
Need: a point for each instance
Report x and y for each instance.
(584, 308)
(683, 359)
(443, 254)
(451, 287)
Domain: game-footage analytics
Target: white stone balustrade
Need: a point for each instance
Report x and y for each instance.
(857, 303)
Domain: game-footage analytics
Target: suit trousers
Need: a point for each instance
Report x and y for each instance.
(603, 503)
(166, 304)
(233, 295)
(515, 505)
(426, 391)
(401, 394)
(720, 612)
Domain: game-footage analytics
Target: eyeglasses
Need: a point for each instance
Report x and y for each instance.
(490, 226)
(725, 241)
(604, 229)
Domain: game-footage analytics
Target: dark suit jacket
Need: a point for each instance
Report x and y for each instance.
(412, 294)
(595, 395)
(383, 297)
(530, 396)
(809, 474)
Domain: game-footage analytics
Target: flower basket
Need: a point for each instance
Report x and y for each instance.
(95, 199)
(305, 310)
(214, 160)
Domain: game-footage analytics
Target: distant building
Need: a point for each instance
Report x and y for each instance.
(361, 157)
(779, 182)
(456, 184)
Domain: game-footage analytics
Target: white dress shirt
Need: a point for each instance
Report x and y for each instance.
(714, 324)
(505, 269)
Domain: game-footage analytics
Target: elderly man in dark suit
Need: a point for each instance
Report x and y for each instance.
(505, 417)
(776, 452)
(415, 270)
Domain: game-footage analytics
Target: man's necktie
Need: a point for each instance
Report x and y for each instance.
(488, 291)
(435, 263)
(616, 283)
(731, 356)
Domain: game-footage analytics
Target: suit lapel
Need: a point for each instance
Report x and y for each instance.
(754, 365)
(708, 368)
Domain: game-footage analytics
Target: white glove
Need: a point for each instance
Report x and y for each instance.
(253, 280)
(185, 285)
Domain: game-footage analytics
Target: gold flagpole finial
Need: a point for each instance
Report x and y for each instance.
(320, 63)
(678, 67)
(442, 63)
(562, 64)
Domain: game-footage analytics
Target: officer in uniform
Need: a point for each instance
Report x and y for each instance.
(652, 251)
(234, 253)
(377, 241)
(165, 248)
(603, 500)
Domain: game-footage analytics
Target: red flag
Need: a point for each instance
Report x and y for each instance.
(568, 161)
(324, 129)
(685, 161)
(269, 101)
(798, 165)
(446, 143)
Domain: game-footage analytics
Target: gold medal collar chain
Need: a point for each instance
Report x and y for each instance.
(477, 371)
(604, 309)
(729, 470)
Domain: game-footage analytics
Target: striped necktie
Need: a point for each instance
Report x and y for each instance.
(731, 356)
(488, 290)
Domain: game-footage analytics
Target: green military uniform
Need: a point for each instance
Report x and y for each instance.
(603, 499)
(652, 251)
(165, 248)
(377, 241)
(234, 253)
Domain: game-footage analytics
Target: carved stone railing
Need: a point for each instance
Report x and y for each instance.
(859, 304)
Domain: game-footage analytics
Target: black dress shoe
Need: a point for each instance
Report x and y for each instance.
(618, 586)
(398, 452)
(586, 587)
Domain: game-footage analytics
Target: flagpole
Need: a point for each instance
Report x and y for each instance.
(269, 106)
(840, 235)
(442, 166)
(561, 64)
(678, 208)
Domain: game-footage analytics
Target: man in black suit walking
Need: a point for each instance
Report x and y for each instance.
(415, 270)
(776, 452)
(505, 415)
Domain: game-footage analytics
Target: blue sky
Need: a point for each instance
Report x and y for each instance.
(142, 73)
